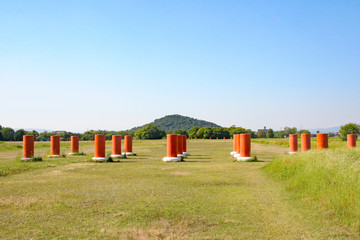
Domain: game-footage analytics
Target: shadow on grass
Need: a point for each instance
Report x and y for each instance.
(196, 161)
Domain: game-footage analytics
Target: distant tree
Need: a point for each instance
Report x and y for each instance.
(200, 133)
(302, 132)
(279, 134)
(18, 135)
(149, 132)
(192, 132)
(1, 136)
(8, 134)
(261, 134)
(289, 130)
(220, 132)
(237, 130)
(208, 132)
(0, 127)
(33, 133)
(181, 132)
(350, 128)
(270, 133)
(88, 135)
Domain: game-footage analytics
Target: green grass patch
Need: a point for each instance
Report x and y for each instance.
(331, 178)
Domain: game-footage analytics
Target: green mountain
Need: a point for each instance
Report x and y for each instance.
(176, 121)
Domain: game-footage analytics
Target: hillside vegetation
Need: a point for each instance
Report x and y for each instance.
(173, 122)
(331, 178)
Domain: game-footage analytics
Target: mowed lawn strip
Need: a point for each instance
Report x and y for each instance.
(207, 197)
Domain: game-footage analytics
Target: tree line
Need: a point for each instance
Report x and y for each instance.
(153, 132)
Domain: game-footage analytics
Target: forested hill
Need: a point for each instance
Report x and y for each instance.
(172, 122)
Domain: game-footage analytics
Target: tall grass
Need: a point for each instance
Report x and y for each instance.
(330, 178)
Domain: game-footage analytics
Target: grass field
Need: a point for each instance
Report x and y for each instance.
(207, 197)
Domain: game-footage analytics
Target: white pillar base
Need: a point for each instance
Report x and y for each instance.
(181, 155)
(128, 153)
(244, 159)
(292, 153)
(55, 156)
(172, 159)
(236, 155)
(186, 154)
(117, 156)
(26, 159)
(75, 153)
(99, 159)
(232, 153)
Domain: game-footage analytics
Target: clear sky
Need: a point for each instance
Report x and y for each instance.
(77, 65)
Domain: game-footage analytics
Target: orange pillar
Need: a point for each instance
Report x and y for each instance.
(74, 145)
(55, 146)
(234, 146)
(184, 151)
(195, 138)
(237, 145)
(210, 138)
(203, 138)
(293, 142)
(116, 147)
(245, 147)
(351, 140)
(128, 146)
(224, 138)
(322, 141)
(305, 142)
(217, 138)
(180, 146)
(172, 145)
(28, 147)
(99, 148)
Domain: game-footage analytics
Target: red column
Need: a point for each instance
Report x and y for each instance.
(55, 145)
(28, 146)
(224, 138)
(184, 143)
(234, 144)
(245, 145)
(116, 145)
(305, 142)
(293, 142)
(237, 143)
(351, 140)
(74, 144)
(100, 146)
(322, 141)
(128, 144)
(179, 144)
(172, 145)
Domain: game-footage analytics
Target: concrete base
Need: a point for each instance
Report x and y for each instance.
(181, 155)
(128, 153)
(172, 159)
(244, 159)
(26, 159)
(55, 156)
(186, 154)
(292, 153)
(99, 159)
(232, 153)
(74, 153)
(236, 155)
(117, 156)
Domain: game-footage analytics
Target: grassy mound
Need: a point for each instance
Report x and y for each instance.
(329, 177)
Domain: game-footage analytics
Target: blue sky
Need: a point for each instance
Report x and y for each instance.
(78, 65)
